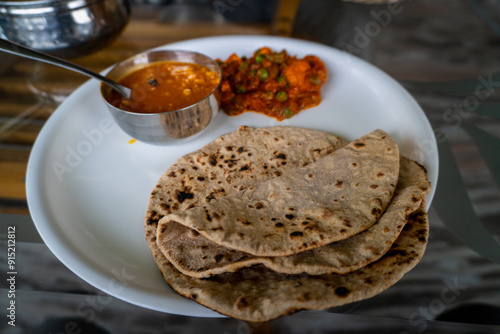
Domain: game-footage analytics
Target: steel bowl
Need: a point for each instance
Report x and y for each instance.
(64, 28)
(170, 127)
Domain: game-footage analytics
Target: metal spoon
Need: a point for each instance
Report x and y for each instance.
(23, 51)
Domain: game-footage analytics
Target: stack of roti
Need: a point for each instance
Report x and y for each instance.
(264, 222)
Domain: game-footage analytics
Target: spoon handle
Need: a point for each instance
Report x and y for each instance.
(23, 51)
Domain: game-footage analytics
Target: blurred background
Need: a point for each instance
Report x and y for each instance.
(419, 43)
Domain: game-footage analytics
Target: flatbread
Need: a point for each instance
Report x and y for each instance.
(329, 200)
(196, 256)
(235, 161)
(230, 164)
(259, 294)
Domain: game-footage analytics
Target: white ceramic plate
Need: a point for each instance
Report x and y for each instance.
(87, 186)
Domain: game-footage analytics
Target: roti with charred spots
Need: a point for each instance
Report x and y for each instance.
(251, 166)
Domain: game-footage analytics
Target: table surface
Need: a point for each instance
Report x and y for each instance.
(440, 51)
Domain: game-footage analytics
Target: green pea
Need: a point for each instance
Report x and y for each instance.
(263, 74)
(241, 89)
(281, 96)
(282, 80)
(259, 58)
(287, 112)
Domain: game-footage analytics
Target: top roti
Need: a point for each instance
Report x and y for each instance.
(329, 200)
(196, 256)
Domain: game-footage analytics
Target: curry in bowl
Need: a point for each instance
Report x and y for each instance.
(165, 86)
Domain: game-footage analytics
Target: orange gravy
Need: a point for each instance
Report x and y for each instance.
(165, 86)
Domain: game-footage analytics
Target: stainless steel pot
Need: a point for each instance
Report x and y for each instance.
(64, 28)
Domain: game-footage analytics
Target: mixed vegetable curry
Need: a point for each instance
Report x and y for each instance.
(273, 83)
